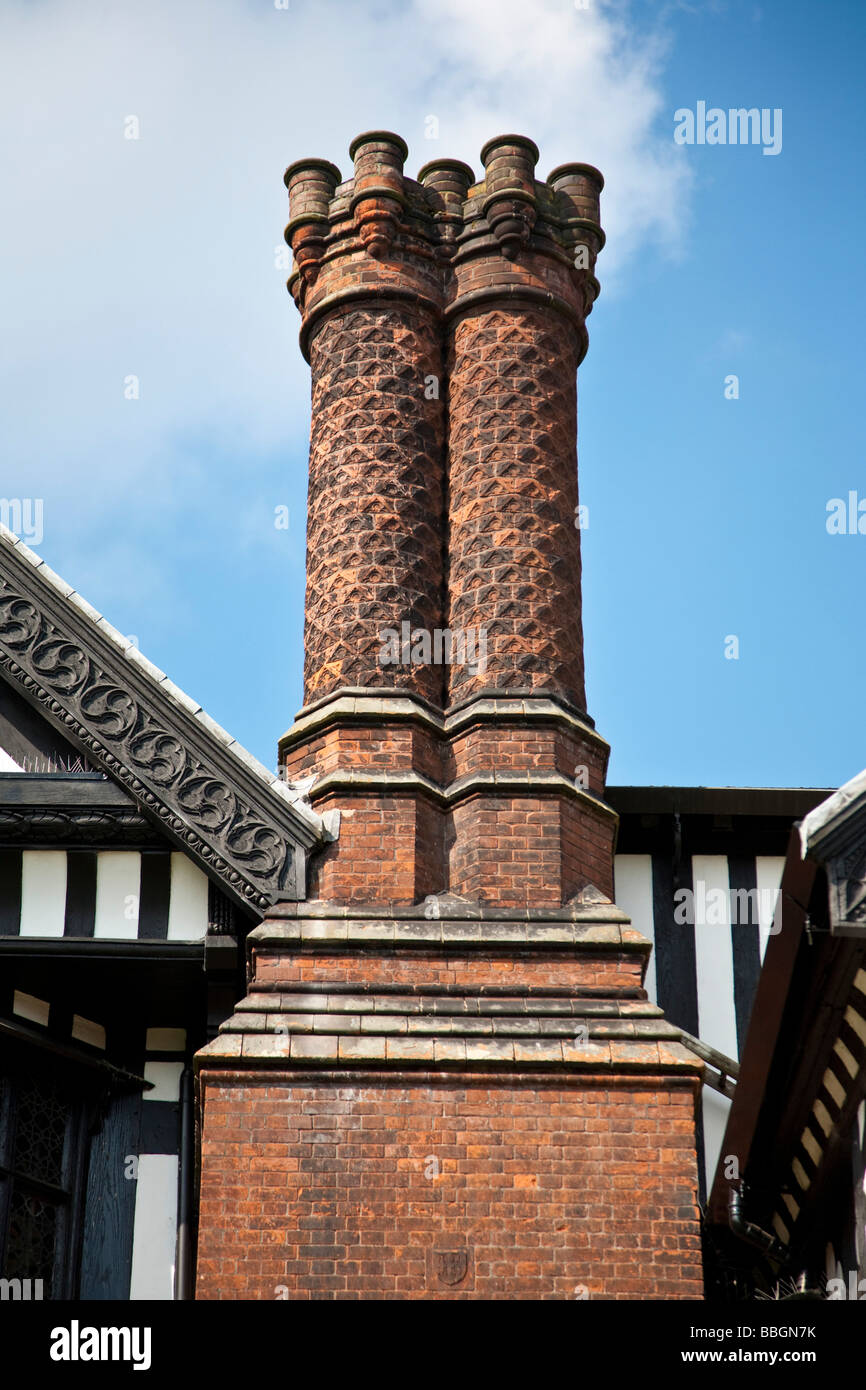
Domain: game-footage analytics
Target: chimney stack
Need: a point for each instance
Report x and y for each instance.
(444, 706)
(446, 1080)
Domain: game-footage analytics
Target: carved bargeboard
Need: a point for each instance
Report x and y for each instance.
(205, 798)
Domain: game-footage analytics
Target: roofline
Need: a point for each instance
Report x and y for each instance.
(791, 802)
(246, 828)
(830, 821)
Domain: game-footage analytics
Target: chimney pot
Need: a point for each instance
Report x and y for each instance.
(378, 196)
(509, 203)
(311, 184)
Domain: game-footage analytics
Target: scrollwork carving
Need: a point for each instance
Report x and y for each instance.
(192, 794)
(61, 664)
(110, 708)
(210, 800)
(19, 621)
(256, 846)
(164, 756)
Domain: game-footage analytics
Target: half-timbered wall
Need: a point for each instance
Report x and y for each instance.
(702, 974)
(714, 857)
(118, 895)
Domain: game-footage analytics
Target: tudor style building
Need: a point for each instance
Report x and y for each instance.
(787, 1207)
(422, 1017)
(138, 843)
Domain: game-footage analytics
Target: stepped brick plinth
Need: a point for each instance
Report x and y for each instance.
(444, 1103)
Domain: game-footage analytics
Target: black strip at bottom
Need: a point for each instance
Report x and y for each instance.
(745, 940)
(80, 893)
(10, 892)
(155, 894)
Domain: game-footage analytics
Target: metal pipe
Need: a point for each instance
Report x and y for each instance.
(184, 1283)
(748, 1231)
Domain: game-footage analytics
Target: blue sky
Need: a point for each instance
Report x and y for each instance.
(156, 257)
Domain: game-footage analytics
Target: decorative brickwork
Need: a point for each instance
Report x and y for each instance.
(446, 1080)
(374, 539)
(514, 550)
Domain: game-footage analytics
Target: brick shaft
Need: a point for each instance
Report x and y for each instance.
(374, 538)
(514, 556)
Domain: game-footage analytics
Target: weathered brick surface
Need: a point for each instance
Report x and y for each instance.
(513, 849)
(522, 851)
(421, 301)
(513, 744)
(338, 1188)
(391, 848)
(514, 552)
(374, 539)
(511, 967)
(388, 747)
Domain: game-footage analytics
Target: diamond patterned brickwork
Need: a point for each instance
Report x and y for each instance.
(514, 551)
(386, 270)
(374, 538)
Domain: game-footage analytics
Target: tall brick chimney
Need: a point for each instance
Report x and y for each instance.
(444, 322)
(446, 1053)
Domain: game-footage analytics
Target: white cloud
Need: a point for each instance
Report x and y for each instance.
(156, 256)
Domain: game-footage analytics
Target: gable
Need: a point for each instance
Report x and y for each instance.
(72, 683)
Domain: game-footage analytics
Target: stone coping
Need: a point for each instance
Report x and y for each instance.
(326, 1050)
(605, 936)
(443, 907)
(423, 1025)
(529, 782)
(353, 704)
(319, 998)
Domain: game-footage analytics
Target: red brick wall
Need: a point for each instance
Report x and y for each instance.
(514, 850)
(573, 969)
(524, 851)
(343, 1187)
(391, 849)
